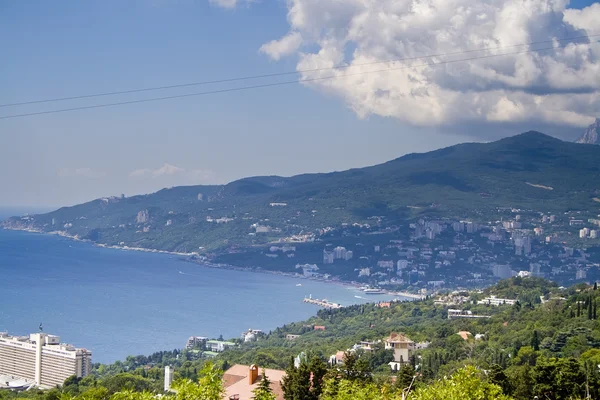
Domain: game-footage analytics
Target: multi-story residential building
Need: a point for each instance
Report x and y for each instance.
(196, 342)
(251, 335)
(328, 257)
(472, 227)
(522, 244)
(458, 226)
(42, 359)
(218, 346)
(583, 233)
(385, 264)
(402, 264)
(402, 345)
(339, 252)
(495, 301)
(502, 271)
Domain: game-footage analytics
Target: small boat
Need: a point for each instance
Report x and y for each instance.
(299, 284)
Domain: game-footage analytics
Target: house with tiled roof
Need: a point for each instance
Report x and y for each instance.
(403, 348)
(240, 380)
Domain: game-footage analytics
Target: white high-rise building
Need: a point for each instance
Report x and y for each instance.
(41, 358)
(503, 271)
(402, 264)
(339, 252)
(522, 244)
(583, 233)
(593, 234)
(472, 227)
(328, 257)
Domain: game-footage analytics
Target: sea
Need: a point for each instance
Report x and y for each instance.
(118, 303)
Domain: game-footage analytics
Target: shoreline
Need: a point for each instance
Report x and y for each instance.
(208, 264)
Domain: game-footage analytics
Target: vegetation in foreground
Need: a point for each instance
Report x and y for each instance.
(547, 344)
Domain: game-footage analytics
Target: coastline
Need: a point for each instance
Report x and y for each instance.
(208, 264)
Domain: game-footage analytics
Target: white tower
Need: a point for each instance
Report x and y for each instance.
(168, 377)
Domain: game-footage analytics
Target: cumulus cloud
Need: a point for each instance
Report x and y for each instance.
(558, 82)
(165, 169)
(169, 170)
(586, 19)
(288, 44)
(84, 172)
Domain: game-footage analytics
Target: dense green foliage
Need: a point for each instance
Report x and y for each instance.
(468, 180)
(263, 391)
(547, 344)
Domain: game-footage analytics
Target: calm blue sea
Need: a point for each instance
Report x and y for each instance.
(118, 303)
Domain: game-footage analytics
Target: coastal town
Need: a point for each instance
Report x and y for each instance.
(429, 254)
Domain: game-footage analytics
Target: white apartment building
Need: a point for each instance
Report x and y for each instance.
(495, 301)
(41, 358)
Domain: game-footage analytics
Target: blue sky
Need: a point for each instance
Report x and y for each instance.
(71, 47)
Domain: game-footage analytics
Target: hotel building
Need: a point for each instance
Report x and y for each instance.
(42, 359)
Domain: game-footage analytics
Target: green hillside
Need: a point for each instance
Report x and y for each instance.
(530, 171)
(547, 345)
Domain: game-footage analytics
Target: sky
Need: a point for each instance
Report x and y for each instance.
(376, 109)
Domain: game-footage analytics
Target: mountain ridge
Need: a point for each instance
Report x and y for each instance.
(591, 135)
(469, 180)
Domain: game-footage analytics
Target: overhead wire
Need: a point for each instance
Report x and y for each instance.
(266, 85)
(276, 74)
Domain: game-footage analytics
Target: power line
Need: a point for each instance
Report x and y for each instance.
(244, 88)
(226, 80)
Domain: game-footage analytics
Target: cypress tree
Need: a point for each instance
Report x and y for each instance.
(590, 310)
(595, 315)
(405, 376)
(263, 391)
(535, 341)
(578, 309)
(318, 369)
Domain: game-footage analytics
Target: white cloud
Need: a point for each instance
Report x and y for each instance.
(229, 3)
(584, 19)
(140, 173)
(558, 86)
(282, 47)
(169, 170)
(84, 172)
(165, 169)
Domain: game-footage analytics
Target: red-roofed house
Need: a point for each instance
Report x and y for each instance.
(240, 380)
(403, 348)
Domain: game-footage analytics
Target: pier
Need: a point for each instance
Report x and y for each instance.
(322, 303)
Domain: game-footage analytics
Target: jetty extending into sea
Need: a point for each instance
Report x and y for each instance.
(322, 302)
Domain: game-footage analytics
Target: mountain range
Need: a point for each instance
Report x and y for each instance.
(530, 171)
